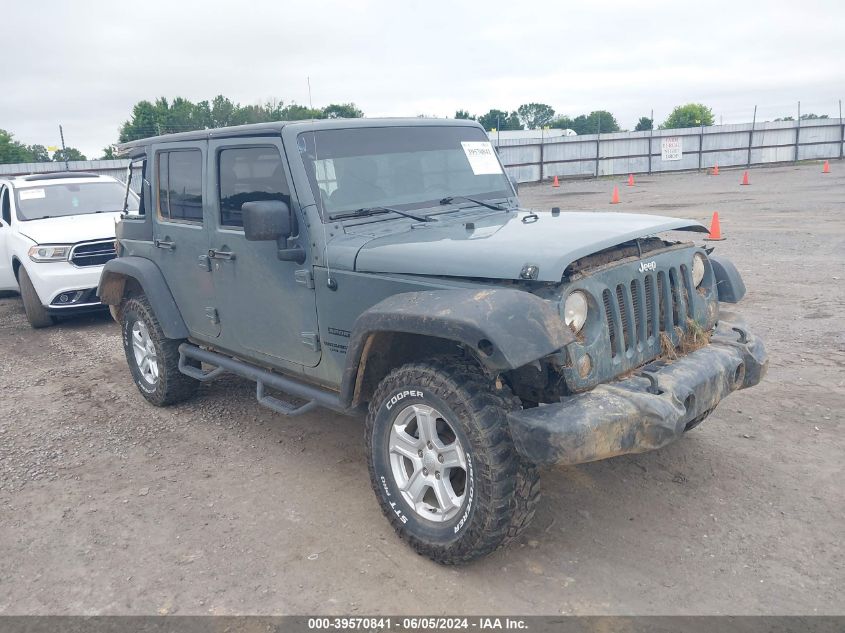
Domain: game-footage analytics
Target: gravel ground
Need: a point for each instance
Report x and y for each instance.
(111, 506)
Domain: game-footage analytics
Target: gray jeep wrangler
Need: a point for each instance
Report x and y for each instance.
(386, 267)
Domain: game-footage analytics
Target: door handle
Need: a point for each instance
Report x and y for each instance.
(166, 245)
(213, 254)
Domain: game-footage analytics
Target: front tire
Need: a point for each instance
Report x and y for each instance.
(442, 463)
(36, 313)
(152, 357)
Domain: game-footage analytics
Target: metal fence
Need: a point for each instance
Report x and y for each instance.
(591, 155)
(743, 144)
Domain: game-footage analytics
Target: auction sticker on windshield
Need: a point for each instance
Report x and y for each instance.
(30, 194)
(481, 157)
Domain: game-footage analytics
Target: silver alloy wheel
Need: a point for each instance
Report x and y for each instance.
(145, 352)
(428, 462)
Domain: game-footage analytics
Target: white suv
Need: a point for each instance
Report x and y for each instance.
(56, 232)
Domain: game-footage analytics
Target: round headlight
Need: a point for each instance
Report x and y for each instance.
(575, 310)
(697, 269)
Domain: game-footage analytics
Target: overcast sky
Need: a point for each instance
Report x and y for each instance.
(85, 64)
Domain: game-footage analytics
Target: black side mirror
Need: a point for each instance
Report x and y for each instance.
(266, 220)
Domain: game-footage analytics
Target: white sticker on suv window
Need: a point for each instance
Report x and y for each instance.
(30, 194)
(481, 157)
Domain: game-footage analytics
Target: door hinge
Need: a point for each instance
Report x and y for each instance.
(212, 315)
(311, 340)
(305, 278)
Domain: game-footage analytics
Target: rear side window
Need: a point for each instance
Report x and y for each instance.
(248, 174)
(5, 204)
(180, 185)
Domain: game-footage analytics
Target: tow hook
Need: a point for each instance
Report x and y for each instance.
(743, 337)
(653, 387)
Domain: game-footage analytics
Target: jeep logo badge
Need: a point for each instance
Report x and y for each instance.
(644, 266)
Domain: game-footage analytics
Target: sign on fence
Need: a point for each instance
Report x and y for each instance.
(671, 148)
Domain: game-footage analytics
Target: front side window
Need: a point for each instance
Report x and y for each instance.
(248, 174)
(40, 201)
(407, 167)
(180, 185)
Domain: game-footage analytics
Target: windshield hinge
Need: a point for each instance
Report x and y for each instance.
(305, 278)
(311, 340)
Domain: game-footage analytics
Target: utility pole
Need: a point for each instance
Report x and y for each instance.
(751, 137)
(650, 136)
(64, 149)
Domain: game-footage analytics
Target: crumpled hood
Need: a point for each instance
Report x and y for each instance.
(70, 229)
(498, 246)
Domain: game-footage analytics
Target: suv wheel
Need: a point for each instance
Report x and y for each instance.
(442, 462)
(153, 359)
(36, 313)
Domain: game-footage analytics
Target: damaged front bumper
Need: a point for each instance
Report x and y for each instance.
(645, 411)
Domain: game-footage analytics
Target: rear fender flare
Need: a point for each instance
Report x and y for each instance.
(503, 328)
(149, 276)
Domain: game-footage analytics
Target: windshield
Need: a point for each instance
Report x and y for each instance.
(405, 167)
(59, 200)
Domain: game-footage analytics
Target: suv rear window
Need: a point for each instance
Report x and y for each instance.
(248, 174)
(180, 185)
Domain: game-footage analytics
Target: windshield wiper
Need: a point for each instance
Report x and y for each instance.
(358, 213)
(489, 205)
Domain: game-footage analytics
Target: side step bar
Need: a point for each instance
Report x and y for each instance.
(263, 378)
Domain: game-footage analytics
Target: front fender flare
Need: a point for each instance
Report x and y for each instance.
(505, 328)
(729, 284)
(151, 280)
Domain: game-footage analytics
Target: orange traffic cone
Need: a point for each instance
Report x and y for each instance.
(716, 169)
(556, 183)
(615, 198)
(715, 229)
(745, 179)
(630, 180)
(826, 168)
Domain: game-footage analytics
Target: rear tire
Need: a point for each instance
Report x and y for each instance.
(490, 498)
(36, 313)
(152, 357)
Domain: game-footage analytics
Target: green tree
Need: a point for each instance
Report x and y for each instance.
(535, 115)
(644, 124)
(108, 153)
(810, 116)
(342, 111)
(464, 114)
(296, 112)
(689, 115)
(500, 120)
(39, 154)
(562, 122)
(588, 123)
(12, 151)
(600, 121)
(69, 153)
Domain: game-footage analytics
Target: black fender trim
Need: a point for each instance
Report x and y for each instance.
(150, 278)
(729, 284)
(503, 327)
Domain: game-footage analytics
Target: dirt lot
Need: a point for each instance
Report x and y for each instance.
(108, 505)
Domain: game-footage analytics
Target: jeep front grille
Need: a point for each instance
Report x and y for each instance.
(630, 309)
(92, 253)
